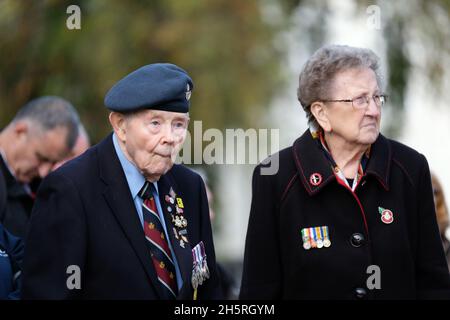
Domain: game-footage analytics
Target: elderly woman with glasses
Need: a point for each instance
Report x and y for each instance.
(349, 214)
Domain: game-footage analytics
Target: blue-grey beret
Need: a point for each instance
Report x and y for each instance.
(159, 86)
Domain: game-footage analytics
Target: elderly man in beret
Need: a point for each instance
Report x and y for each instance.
(122, 221)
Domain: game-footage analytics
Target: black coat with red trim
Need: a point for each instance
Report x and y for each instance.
(407, 251)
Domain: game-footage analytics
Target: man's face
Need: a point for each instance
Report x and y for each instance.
(36, 151)
(152, 139)
(81, 145)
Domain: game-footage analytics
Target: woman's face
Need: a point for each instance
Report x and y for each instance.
(356, 126)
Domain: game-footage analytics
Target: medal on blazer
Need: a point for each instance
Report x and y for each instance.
(326, 238)
(387, 216)
(200, 270)
(305, 238)
(319, 237)
(178, 219)
(315, 237)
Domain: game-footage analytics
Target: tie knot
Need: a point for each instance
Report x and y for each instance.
(147, 190)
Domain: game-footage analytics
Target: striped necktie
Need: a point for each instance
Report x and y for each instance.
(157, 242)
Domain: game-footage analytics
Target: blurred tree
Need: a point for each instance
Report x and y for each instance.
(223, 44)
(404, 23)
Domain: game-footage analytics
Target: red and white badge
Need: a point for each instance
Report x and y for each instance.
(386, 215)
(315, 179)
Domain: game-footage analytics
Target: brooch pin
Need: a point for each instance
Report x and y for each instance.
(387, 216)
(175, 208)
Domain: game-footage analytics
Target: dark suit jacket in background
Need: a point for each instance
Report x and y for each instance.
(85, 216)
(17, 203)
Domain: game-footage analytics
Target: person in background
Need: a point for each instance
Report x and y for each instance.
(42, 133)
(11, 256)
(81, 145)
(441, 214)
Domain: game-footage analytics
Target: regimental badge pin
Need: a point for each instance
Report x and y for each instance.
(315, 237)
(172, 193)
(188, 92)
(387, 216)
(315, 179)
(180, 203)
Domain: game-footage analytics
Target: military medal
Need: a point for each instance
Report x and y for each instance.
(312, 235)
(305, 238)
(387, 216)
(319, 238)
(175, 233)
(326, 239)
(315, 237)
(200, 271)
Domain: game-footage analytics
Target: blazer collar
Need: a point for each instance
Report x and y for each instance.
(315, 170)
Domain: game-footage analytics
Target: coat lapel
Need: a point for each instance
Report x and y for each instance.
(118, 196)
(183, 255)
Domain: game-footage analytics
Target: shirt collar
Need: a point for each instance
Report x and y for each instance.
(134, 177)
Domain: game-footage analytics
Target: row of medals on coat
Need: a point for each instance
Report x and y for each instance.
(316, 237)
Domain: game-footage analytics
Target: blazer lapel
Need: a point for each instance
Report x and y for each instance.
(118, 196)
(183, 254)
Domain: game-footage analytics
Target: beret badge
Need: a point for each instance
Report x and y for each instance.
(188, 92)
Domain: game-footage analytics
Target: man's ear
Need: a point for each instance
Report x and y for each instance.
(21, 128)
(320, 113)
(118, 122)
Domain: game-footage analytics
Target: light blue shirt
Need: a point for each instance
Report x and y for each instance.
(135, 182)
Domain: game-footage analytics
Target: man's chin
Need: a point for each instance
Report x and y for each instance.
(156, 174)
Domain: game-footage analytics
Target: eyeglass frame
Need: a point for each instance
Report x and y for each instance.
(365, 96)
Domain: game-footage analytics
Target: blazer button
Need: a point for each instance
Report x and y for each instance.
(360, 293)
(357, 240)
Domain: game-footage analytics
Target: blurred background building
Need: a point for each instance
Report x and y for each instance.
(244, 57)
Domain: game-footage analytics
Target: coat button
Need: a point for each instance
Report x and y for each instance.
(360, 293)
(357, 240)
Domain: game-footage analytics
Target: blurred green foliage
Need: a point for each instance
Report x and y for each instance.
(227, 46)
(224, 45)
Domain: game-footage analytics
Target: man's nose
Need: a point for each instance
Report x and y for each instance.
(44, 169)
(168, 135)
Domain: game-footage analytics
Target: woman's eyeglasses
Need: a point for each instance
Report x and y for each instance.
(362, 102)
